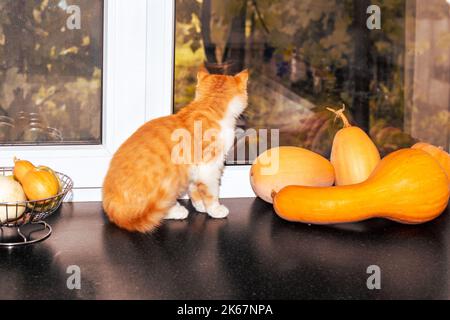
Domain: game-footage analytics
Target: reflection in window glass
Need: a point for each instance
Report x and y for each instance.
(307, 55)
(51, 71)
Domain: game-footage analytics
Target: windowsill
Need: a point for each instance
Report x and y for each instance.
(251, 255)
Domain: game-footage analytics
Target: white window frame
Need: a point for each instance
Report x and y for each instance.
(137, 86)
(160, 71)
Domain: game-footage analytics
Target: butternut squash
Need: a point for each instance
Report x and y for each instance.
(408, 186)
(438, 153)
(280, 167)
(354, 155)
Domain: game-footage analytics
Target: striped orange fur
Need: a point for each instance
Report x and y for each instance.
(143, 182)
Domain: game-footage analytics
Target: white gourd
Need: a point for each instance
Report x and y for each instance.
(11, 191)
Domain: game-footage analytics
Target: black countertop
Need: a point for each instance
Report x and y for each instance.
(251, 255)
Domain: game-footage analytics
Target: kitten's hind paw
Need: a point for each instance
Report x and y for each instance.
(218, 211)
(177, 212)
(199, 206)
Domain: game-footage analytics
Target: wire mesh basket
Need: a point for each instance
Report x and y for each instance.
(14, 215)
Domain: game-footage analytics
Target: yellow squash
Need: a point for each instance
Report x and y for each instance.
(408, 186)
(280, 167)
(40, 183)
(438, 153)
(354, 155)
(21, 168)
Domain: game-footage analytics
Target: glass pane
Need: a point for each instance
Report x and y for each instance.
(391, 71)
(51, 71)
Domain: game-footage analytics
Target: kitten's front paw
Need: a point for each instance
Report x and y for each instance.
(218, 211)
(177, 212)
(199, 206)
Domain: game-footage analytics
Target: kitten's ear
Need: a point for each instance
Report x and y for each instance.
(202, 73)
(242, 76)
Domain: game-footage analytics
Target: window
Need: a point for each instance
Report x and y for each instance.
(107, 81)
(51, 71)
(305, 56)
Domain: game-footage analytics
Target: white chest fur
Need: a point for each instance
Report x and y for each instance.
(228, 123)
(209, 173)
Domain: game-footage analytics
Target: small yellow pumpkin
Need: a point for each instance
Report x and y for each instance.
(40, 183)
(21, 168)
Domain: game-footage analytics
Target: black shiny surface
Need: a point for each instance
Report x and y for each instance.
(251, 255)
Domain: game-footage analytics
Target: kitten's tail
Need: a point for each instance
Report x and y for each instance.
(133, 215)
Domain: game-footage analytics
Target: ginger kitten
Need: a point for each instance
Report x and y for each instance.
(174, 155)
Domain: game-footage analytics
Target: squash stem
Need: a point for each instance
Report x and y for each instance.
(273, 194)
(340, 114)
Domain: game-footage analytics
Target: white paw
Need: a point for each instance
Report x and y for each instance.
(177, 212)
(199, 206)
(218, 211)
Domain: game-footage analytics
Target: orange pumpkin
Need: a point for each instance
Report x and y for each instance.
(280, 167)
(21, 168)
(354, 155)
(438, 153)
(408, 186)
(40, 183)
